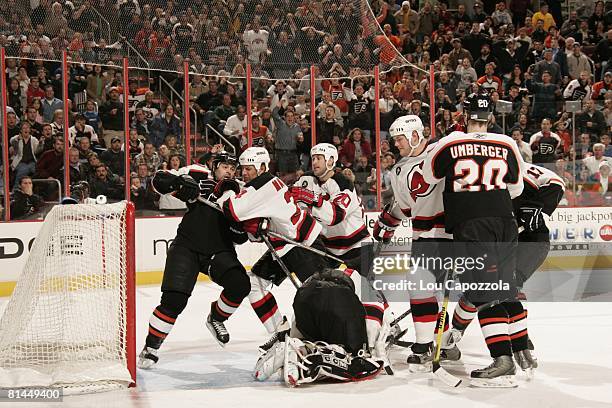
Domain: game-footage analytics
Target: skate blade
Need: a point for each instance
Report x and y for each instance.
(529, 373)
(420, 368)
(504, 381)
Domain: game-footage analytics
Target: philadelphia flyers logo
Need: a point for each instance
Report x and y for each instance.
(416, 183)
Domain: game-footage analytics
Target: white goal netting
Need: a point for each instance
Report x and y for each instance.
(66, 322)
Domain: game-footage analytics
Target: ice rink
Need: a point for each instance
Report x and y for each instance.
(572, 343)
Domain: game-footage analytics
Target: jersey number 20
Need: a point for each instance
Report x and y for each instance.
(471, 176)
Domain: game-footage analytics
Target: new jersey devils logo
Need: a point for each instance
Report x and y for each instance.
(416, 183)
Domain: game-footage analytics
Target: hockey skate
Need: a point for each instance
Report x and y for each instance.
(525, 360)
(270, 362)
(500, 374)
(147, 358)
(449, 350)
(420, 361)
(218, 330)
(281, 331)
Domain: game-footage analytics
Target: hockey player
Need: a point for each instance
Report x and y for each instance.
(542, 193)
(204, 243)
(332, 200)
(482, 174)
(423, 203)
(327, 337)
(265, 199)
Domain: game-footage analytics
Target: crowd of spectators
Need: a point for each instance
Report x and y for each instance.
(533, 55)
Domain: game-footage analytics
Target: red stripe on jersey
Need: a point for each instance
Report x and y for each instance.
(497, 339)
(425, 319)
(163, 317)
(228, 210)
(430, 299)
(345, 242)
(221, 312)
(428, 223)
(519, 334)
(492, 320)
(460, 320)
(269, 314)
(465, 307)
(228, 302)
(531, 183)
(518, 317)
(262, 300)
(305, 228)
(156, 333)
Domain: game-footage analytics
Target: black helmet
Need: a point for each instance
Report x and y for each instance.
(477, 106)
(223, 157)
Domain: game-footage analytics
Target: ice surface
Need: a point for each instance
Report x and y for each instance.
(572, 340)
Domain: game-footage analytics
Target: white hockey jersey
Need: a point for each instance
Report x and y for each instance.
(418, 199)
(341, 215)
(268, 197)
(543, 188)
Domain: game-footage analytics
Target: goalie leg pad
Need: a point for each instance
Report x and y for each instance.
(333, 362)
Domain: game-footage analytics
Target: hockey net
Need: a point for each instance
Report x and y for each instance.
(69, 322)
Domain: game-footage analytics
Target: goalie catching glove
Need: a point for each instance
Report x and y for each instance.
(385, 226)
(187, 189)
(531, 218)
(306, 196)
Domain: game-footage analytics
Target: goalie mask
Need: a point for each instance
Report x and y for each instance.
(406, 126)
(328, 151)
(255, 156)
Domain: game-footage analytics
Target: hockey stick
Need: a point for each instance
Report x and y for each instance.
(446, 377)
(278, 259)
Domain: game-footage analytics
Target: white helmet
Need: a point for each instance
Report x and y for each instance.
(405, 125)
(255, 156)
(328, 151)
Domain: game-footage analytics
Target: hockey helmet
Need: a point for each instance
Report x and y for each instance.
(255, 156)
(405, 126)
(477, 106)
(223, 157)
(328, 151)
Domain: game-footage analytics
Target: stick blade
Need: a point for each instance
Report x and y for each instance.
(446, 377)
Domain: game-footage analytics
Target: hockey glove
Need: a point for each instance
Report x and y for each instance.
(531, 218)
(226, 185)
(385, 226)
(306, 196)
(255, 228)
(187, 188)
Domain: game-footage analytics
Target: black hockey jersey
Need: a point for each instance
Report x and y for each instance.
(202, 229)
(483, 174)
